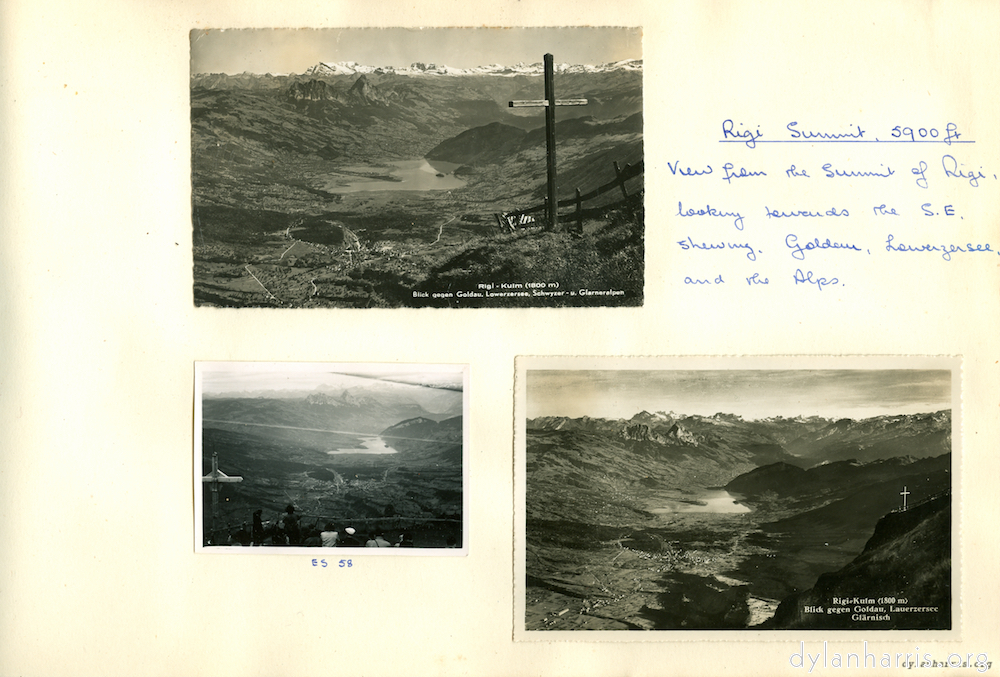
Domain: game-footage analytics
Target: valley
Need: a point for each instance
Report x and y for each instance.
(384, 457)
(665, 521)
(357, 189)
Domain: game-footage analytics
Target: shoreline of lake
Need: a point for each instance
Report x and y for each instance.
(712, 500)
(401, 175)
(370, 445)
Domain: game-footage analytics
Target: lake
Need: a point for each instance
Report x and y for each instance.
(369, 445)
(410, 175)
(717, 501)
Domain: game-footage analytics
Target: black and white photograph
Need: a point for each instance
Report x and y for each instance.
(290, 456)
(720, 494)
(417, 167)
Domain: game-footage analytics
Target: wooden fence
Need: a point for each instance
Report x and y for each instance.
(511, 221)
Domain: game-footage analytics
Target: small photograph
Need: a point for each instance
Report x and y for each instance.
(736, 494)
(294, 456)
(417, 167)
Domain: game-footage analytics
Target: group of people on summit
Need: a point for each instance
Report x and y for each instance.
(287, 529)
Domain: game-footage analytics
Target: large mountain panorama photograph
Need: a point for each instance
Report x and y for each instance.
(366, 168)
(737, 499)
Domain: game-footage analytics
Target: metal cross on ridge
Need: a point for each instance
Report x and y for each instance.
(904, 493)
(214, 479)
(550, 103)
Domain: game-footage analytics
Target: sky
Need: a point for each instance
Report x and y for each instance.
(752, 394)
(236, 377)
(295, 50)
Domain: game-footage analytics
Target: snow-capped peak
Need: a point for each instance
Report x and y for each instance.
(416, 69)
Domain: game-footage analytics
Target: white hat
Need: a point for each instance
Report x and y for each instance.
(350, 531)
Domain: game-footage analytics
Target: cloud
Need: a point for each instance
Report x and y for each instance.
(749, 393)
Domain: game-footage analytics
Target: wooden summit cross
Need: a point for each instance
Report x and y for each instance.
(214, 479)
(550, 103)
(904, 493)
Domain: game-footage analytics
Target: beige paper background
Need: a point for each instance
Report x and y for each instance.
(99, 335)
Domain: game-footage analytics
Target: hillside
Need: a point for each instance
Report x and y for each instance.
(377, 117)
(787, 481)
(304, 187)
(427, 441)
(664, 520)
(415, 491)
(480, 145)
(372, 456)
(497, 142)
(824, 518)
(608, 260)
(907, 560)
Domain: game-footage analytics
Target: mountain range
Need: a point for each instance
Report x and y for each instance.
(319, 158)
(801, 442)
(430, 69)
(574, 462)
(717, 519)
(521, 68)
(366, 454)
(348, 411)
(434, 401)
(246, 127)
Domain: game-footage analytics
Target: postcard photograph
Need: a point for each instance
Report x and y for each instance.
(441, 167)
(727, 495)
(292, 456)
